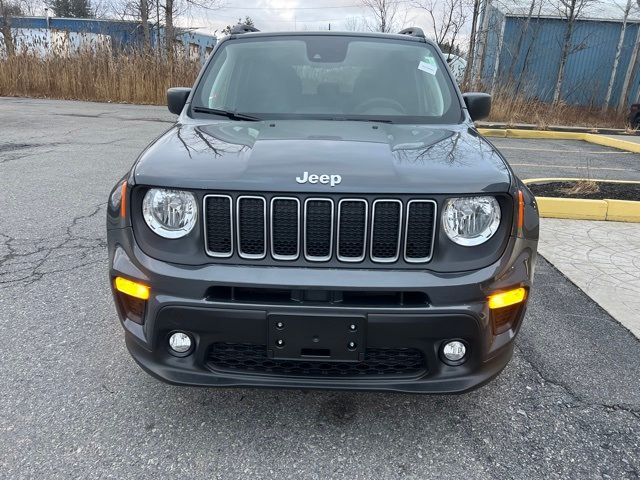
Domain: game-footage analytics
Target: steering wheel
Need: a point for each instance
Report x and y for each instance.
(379, 101)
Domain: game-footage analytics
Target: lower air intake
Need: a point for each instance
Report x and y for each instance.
(253, 359)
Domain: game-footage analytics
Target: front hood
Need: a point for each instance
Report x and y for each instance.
(370, 158)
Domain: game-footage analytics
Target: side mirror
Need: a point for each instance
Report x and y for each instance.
(176, 98)
(478, 105)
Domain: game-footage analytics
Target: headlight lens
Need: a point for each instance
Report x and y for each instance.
(170, 213)
(471, 221)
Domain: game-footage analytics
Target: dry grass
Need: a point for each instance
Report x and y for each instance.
(582, 187)
(101, 75)
(96, 76)
(513, 109)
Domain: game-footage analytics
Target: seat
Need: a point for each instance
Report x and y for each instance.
(270, 88)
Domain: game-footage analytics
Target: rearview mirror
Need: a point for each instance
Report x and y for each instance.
(478, 105)
(176, 98)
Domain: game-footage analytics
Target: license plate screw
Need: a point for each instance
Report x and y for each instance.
(352, 345)
(353, 327)
(279, 325)
(280, 342)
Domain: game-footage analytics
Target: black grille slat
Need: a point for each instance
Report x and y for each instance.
(420, 223)
(318, 229)
(352, 230)
(285, 227)
(253, 359)
(251, 227)
(385, 241)
(219, 229)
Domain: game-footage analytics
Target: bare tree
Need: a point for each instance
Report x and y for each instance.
(8, 10)
(525, 29)
(471, 53)
(616, 59)
(626, 87)
(169, 10)
(448, 18)
(384, 13)
(535, 32)
(140, 10)
(483, 34)
(629, 74)
(101, 8)
(144, 21)
(29, 8)
(570, 11)
(174, 8)
(355, 24)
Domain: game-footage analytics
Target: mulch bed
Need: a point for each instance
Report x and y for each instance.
(612, 191)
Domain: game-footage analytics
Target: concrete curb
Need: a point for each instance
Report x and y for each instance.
(584, 209)
(603, 140)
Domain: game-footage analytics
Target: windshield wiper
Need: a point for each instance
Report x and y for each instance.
(374, 120)
(226, 113)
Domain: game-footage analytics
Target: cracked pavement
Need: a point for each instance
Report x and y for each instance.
(74, 405)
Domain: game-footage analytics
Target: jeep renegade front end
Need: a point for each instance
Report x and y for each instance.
(323, 214)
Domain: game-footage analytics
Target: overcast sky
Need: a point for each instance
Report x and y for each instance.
(270, 15)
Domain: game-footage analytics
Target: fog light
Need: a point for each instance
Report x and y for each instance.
(180, 342)
(454, 351)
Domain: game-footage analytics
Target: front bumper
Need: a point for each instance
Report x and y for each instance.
(181, 300)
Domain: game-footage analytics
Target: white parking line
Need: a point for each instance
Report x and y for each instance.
(553, 150)
(536, 165)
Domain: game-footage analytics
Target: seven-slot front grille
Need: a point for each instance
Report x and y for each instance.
(288, 228)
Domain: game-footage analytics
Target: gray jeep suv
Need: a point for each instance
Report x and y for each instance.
(323, 214)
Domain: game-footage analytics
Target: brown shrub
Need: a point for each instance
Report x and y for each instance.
(516, 108)
(95, 76)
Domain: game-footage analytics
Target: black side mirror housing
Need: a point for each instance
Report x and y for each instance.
(176, 98)
(478, 105)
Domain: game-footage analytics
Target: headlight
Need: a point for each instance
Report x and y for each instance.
(471, 221)
(170, 213)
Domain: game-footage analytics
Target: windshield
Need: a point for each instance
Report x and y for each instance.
(329, 77)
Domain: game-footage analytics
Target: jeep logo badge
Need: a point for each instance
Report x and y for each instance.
(332, 180)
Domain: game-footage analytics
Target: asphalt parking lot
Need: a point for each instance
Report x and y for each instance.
(74, 405)
(568, 158)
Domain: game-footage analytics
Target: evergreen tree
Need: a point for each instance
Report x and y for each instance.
(81, 9)
(247, 21)
(72, 8)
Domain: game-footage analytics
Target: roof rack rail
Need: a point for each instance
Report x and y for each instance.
(413, 31)
(243, 28)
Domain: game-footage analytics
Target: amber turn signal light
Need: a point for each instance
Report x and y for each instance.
(510, 297)
(520, 214)
(123, 200)
(134, 289)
